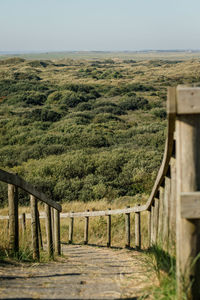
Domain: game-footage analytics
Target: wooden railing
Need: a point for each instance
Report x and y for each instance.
(52, 216)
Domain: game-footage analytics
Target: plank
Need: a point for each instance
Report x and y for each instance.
(190, 205)
(188, 100)
(27, 187)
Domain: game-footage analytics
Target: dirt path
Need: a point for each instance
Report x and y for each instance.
(85, 273)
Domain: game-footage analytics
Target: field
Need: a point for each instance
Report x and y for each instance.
(87, 129)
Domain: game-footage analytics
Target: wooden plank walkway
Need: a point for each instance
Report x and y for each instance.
(86, 272)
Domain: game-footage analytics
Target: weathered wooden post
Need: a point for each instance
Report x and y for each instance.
(127, 229)
(156, 216)
(160, 217)
(23, 223)
(34, 228)
(71, 229)
(86, 229)
(49, 231)
(57, 231)
(13, 218)
(39, 231)
(52, 223)
(172, 215)
(166, 202)
(137, 230)
(152, 224)
(149, 228)
(109, 229)
(188, 195)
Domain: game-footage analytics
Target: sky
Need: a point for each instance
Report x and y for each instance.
(99, 25)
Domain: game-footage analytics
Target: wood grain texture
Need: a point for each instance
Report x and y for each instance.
(188, 100)
(188, 180)
(109, 230)
(137, 230)
(86, 229)
(13, 218)
(127, 229)
(49, 231)
(71, 229)
(34, 228)
(190, 205)
(57, 232)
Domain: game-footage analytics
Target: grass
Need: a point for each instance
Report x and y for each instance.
(163, 266)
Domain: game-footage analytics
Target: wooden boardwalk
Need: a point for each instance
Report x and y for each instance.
(85, 272)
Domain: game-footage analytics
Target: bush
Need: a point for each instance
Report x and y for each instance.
(159, 113)
(130, 103)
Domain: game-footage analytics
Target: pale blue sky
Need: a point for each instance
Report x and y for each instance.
(99, 24)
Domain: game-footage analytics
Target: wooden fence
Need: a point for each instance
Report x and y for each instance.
(52, 215)
(174, 204)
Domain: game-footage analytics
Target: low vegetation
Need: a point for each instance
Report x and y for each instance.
(86, 130)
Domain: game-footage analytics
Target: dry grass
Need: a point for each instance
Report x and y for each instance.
(97, 225)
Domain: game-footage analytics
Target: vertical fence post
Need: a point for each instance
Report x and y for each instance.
(7, 228)
(166, 204)
(13, 218)
(149, 228)
(34, 228)
(137, 230)
(152, 224)
(172, 217)
(57, 231)
(71, 229)
(86, 229)
(127, 228)
(52, 224)
(109, 230)
(39, 230)
(160, 217)
(49, 231)
(188, 180)
(23, 223)
(156, 216)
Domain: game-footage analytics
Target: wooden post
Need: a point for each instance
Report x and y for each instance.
(149, 228)
(7, 228)
(137, 230)
(57, 231)
(160, 217)
(49, 231)
(39, 230)
(166, 203)
(23, 223)
(172, 215)
(152, 225)
(71, 229)
(86, 229)
(188, 180)
(34, 228)
(156, 216)
(13, 218)
(109, 230)
(127, 229)
(52, 223)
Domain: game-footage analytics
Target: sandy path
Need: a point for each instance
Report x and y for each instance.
(84, 273)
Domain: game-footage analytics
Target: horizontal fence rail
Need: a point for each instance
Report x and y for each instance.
(27, 187)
